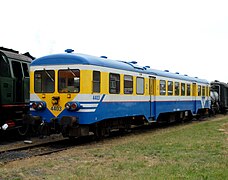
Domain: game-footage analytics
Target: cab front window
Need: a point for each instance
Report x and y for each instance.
(44, 81)
(69, 81)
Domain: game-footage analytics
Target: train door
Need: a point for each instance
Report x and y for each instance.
(152, 90)
(194, 94)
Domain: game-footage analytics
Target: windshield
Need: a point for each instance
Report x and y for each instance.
(44, 81)
(69, 81)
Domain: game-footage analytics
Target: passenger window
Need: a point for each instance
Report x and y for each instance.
(177, 88)
(140, 85)
(203, 90)
(128, 84)
(182, 89)
(69, 81)
(96, 81)
(162, 87)
(188, 89)
(114, 83)
(199, 90)
(170, 88)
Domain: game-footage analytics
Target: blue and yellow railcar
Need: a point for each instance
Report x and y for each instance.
(77, 94)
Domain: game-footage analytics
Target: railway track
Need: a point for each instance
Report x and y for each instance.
(30, 150)
(49, 147)
(40, 149)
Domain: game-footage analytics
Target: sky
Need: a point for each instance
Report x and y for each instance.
(185, 36)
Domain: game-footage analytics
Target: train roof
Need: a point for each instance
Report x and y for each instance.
(75, 58)
(15, 54)
(216, 82)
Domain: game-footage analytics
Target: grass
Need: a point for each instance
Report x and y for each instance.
(190, 151)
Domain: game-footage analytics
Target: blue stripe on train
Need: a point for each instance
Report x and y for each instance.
(124, 109)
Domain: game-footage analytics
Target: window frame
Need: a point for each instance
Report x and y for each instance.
(131, 83)
(199, 90)
(203, 91)
(162, 90)
(41, 84)
(188, 89)
(170, 88)
(17, 73)
(183, 91)
(177, 88)
(72, 71)
(25, 68)
(96, 82)
(114, 81)
(139, 84)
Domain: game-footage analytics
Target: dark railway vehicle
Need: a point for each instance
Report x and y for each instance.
(219, 97)
(76, 94)
(14, 89)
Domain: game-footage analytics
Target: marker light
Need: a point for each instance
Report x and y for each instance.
(72, 106)
(34, 105)
(38, 105)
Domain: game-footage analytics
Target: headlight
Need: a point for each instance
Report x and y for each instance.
(34, 105)
(40, 106)
(67, 106)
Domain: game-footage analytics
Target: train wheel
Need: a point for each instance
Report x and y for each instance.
(101, 132)
(23, 130)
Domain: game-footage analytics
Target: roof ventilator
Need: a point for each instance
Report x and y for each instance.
(69, 50)
(105, 57)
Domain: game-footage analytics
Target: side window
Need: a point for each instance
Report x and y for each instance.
(17, 71)
(199, 90)
(140, 85)
(188, 89)
(128, 84)
(203, 90)
(208, 91)
(182, 89)
(114, 83)
(96, 81)
(170, 88)
(25, 69)
(177, 88)
(162, 87)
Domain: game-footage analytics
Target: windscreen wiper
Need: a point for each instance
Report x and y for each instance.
(72, 72)
(48, 75)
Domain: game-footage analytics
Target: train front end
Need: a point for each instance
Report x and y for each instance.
(56, 87)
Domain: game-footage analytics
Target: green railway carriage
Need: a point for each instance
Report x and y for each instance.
(14, 88)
